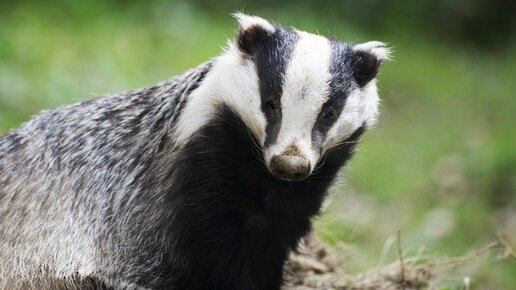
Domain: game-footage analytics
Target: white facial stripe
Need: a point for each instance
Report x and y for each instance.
(230, 83)
(305, 90)
(361, 108)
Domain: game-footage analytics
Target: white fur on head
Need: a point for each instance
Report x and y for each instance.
(305, 90)
(230, 83)
(247, 21)
(376, 48)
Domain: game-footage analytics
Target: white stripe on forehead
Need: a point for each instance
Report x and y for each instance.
(305, 90)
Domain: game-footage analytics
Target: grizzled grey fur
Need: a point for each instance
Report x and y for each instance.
(96, 150)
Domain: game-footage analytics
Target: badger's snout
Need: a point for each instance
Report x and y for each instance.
(290, 167)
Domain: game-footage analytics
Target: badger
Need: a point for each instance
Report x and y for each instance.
(204, 181)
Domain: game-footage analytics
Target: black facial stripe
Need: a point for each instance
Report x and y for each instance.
(271, 58)
(340, 85)
(353, 138)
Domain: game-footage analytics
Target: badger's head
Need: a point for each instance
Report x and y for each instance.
(300, 94)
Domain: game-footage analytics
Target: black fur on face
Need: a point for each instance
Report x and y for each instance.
(341, 84)
(271, 53)
(365, 67)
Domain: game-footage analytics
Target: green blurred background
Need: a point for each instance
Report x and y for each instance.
(441, 165)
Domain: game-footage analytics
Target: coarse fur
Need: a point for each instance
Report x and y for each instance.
(174, 186)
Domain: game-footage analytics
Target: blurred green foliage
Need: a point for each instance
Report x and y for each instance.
(440, 166)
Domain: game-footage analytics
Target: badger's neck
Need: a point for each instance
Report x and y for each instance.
(232, 82)
(232, 207)
(225, 158)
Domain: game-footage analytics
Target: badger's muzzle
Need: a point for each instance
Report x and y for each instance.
(290, 167)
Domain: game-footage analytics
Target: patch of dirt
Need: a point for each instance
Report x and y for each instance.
(317, 266)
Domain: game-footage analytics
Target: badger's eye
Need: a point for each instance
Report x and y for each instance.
(329, 115)
(271, 106)
(326, 119)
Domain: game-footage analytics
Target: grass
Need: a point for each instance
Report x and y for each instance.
(440, 166)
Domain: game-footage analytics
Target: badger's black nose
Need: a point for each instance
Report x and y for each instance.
(290, 167)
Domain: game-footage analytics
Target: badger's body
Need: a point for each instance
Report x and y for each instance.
(205, 181)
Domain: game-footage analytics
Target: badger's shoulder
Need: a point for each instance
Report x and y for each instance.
(117, 120)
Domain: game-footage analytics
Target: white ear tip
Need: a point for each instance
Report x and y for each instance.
(377, 48)
(245, 21)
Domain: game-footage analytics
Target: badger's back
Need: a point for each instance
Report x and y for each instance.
(70, 178)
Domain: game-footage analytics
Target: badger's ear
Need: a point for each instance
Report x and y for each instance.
(252, 30)
(366, 60)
